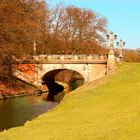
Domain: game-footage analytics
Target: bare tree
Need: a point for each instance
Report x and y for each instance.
(71, 29)
(82, 25)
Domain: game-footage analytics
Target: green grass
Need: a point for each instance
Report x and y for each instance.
(109, 111)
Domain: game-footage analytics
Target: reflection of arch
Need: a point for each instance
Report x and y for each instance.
(62, 75)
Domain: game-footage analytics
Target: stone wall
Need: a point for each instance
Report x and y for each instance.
(25, 72)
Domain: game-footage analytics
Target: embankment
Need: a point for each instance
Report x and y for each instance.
(11, 87)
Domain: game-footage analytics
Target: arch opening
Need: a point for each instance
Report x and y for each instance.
(61, 81)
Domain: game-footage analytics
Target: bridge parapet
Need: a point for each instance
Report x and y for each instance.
(64, 58)
(69, 57)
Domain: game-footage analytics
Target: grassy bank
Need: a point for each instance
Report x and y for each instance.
(110, 111)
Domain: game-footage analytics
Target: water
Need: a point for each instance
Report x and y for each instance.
(15, 112)
(57, 91)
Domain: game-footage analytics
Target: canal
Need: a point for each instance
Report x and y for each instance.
(15, 112)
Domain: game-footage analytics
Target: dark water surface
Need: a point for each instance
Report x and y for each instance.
(15, 112)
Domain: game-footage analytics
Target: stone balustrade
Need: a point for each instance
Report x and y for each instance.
(69, 57)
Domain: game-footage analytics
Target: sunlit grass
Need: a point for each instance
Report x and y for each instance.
(110, 111)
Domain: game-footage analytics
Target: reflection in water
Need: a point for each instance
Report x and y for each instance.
(15, 112)
(56, 91)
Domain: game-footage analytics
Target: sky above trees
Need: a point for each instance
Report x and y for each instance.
(123, 16)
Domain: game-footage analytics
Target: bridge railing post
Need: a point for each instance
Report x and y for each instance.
(62, 57)
(49, 57)
(102, 57)
(75, 57)
(89, 57)
(35, 57)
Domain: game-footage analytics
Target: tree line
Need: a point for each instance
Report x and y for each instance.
(70, 29)
(131, 55)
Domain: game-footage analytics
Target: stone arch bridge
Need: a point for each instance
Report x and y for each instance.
(91, 67)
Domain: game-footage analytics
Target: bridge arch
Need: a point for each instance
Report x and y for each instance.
(55, 79)
(43, 69)
(62, 75)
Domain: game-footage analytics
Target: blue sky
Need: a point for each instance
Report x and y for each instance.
(123, 16)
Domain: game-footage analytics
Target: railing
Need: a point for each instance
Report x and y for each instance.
(69, 57)
(64, 58)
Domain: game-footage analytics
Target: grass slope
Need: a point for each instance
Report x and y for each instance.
(110, 111)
